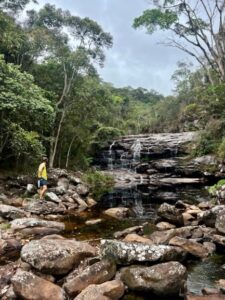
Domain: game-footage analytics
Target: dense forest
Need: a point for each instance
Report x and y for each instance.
(53, 101)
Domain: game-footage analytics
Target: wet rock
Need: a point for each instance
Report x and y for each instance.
(36, 226)
(124, 253)
(93, 222)
(52, 197)
(82, 189)
(110, 290)
(170, 213)
(29, 287)
(117, 212)
(161, 226)
(97, 273)
(166, 279)
(133, 237)
(56, 256)
(11, 212)
(134, 229)
(44, 207)
(191, 247)
(31, 188)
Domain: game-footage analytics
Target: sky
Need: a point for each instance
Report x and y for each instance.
(136, 58)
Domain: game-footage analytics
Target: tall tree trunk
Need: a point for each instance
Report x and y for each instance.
(69, 151)
(54, 143)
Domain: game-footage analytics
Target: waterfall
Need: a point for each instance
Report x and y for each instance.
(136, 149)
(110, 159)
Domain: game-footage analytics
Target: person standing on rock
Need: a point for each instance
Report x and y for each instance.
(42, 177)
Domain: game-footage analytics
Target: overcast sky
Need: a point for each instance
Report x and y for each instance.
(136, 59)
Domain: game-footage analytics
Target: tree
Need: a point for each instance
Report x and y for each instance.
(26, 115)
(14, 6)
(198, 27)
(76, 44)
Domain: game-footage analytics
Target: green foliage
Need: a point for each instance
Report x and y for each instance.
(206, 145)
(153, 18)
(214, 188)
(104, 134)
(25, 113)
(221, 149)
(25, 144)
(99, 183)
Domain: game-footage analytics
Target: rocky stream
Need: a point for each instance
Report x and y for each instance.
(157, 234)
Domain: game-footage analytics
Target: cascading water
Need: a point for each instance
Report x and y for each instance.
(110, 158)
(136, 149)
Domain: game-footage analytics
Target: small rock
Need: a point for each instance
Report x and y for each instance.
(52, 197)
(91, 202)
(82, 189)
(161, 226)
(117, 212)
(133, 237)
(93, 222)
(31, 188)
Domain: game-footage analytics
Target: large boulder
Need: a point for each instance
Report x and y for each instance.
(110, 290)
(31, 287)
(124, 253)
(41, 207)
(37, 226)
(170, 213)
(11, 212)
(166, 279)
(97, 273)
(191, 247)
(118, 212)
(57, 256)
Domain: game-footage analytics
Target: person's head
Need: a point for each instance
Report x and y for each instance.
(44, 159)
